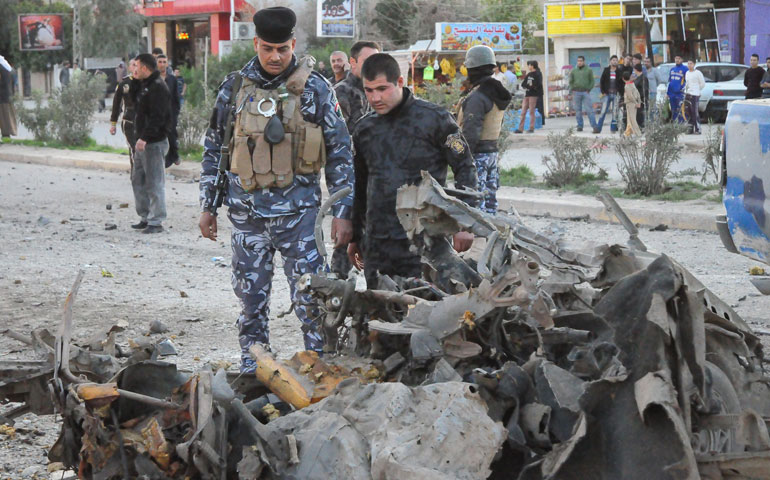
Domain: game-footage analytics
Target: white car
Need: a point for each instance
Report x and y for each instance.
(724, 83)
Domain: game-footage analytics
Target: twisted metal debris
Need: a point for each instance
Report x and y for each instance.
(533, 360)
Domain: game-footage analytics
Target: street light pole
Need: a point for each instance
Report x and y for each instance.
(77, 51)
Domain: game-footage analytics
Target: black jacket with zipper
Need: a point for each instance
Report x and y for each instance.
(153, 109)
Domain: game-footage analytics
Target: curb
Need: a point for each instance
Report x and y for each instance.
(674, 216)
(88, 160)
(684, 216)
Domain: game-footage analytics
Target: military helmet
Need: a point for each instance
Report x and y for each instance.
(478, 56)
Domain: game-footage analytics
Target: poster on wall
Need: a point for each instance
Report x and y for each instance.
(501, 37)
(336, 18)
(40, 32)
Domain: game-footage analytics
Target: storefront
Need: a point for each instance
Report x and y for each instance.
(186, 29)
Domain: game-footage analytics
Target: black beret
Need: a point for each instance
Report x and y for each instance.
(275, 24)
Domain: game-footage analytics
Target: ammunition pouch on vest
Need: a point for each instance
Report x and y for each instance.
(493, 121)
(260, 164)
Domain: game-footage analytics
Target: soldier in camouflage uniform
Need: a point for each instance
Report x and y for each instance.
(353, 103)
(403, 136)
(481, 117)
(274, 189)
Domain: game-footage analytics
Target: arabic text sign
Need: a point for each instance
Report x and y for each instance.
(40, 32)
(336, 18)
(501, 37)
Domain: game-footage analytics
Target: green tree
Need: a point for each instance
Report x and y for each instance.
(392, 17)
(528, 12)
(110, 28)
(9, 34)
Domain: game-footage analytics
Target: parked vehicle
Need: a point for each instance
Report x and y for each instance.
(724, 84)
(745, 227)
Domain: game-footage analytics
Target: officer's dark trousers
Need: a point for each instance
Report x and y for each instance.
(389, 257)
(173, 145)
(128, 131)
(148, 179)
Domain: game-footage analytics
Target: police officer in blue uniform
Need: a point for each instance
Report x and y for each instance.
(288, 128)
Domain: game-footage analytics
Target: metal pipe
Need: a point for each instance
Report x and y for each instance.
(232, 19)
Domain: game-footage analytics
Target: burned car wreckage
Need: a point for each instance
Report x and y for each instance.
(534, 360)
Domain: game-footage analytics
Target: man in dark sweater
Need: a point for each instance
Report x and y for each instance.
(753, 78)
(152, 124)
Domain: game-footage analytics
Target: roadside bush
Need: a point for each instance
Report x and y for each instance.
(36, 119)
(572, 157)
(447, 95)
(193, 122)
(645, 161)
(73, 108)
(712, 152)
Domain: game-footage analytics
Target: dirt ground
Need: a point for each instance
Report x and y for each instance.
(53, 223)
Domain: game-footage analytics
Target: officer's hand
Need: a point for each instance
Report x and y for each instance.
(112, 130)
(462, 241)
(342, 232)
(208, 225)
(354, 255)
(140, 145)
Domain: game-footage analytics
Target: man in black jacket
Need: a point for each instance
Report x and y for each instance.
(481, 118)
(152, 124)
(172, 157)
(643, 85)
(403, 136)
(611, 85)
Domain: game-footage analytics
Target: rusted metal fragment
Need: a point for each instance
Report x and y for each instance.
(289, 385)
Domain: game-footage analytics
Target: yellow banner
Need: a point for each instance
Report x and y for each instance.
(582, 27)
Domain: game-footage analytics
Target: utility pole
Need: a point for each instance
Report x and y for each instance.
(77, 51)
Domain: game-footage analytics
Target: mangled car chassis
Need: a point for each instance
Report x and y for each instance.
(534, 360)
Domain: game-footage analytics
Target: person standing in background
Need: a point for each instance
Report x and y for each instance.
(753, 78)
(766, 80)
(340, 67)
(633, 101)
(64, 74)
(152, 123)
(533, 85)
(173, 138)
(694, 84)
(643, 87)
(181, 87)
(611, 86)
(321, 68)
(581, 81)
(125, 96)
(654, 78)
(480, 119)
(675, 91)
(8, 125)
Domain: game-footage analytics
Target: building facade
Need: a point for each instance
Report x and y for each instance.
(186, 29)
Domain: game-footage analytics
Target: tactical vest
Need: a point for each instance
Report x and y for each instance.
(493, 120)
(259, 164)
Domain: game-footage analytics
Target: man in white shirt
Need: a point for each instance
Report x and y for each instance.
(694, 83)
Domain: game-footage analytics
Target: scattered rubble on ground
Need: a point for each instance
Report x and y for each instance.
(534, 360)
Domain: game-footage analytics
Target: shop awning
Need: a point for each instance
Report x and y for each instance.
(168, 8)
